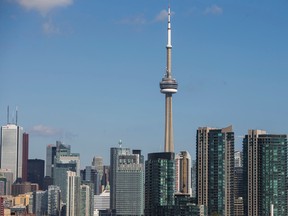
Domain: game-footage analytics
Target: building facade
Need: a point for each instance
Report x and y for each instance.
(159, 182)
(215, 170)
(183, 172)
(54, 200)
(265, 173)
(128, 182)
(12, 149)
(36, 171)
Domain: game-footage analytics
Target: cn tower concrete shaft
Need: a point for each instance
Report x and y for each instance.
(169, 142)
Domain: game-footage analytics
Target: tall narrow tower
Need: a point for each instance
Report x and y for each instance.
(168, 86)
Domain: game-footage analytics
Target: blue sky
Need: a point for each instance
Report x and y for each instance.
(87, 72)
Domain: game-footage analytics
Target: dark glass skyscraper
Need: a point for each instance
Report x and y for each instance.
(159, 182)
(36, 171)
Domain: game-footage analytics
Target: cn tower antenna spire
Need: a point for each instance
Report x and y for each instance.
(168, 86)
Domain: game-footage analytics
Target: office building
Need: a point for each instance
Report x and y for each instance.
(102, 201)
(54, 200)
(159, 182)
(40, 203)
(11, 149)
(86, 202)
(50, 155)
(8, 175)
(19, 187)
(73, 194)
(25, 156)
(36, 171)
(265, 173)
(215, 170)
(127, 182)
(183, 173)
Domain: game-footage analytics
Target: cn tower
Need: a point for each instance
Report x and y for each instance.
(168, 86)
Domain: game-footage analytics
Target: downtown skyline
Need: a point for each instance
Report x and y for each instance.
(88, 72)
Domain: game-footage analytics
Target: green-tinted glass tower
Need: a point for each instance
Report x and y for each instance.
(265, 173)
(159, 182)
(215, 170)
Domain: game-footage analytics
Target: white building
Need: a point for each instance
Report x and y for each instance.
(11, 149)
(73, 194)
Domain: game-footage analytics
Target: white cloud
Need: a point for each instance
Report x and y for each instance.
(49, 28)
(162, 15)
(214, 10)
(46, 131)
(43, 6)
(136, 20)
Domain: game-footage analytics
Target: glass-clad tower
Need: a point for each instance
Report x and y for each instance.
(159, 182)
(215, 170)
(265, 173)
(126, 182)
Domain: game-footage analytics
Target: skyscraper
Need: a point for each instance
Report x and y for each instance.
(127, 182)
(11, 149)
(87, 200)
(250, 171)
(73, 194)
(183, 172)
(25, 156)
(265, 173)
(50, 155)
(36, 171)
(159, 183)
(215, 170)
(168, 86)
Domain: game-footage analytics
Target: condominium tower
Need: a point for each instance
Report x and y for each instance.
(265, 173)
(215, 170)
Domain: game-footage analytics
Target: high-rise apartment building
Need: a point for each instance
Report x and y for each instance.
(215, 170)
(127, 182)
(193, 178)
(159, 182)
(183, 172)
(265, 173)
(11, 149)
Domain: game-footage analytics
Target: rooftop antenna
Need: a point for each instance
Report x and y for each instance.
(120, 143)
(8, 114)
(16, 115)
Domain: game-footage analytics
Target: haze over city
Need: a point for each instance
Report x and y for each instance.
(87, 72)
